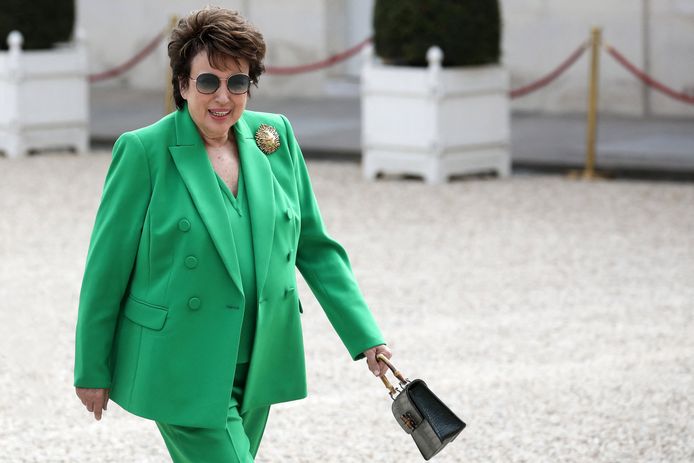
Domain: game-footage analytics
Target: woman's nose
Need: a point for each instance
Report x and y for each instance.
(222, 95)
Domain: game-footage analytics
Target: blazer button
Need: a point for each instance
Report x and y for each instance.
(289, 256)
(193, 303)
(288, 291)
(191, 262)
(184, 225)
(290, 214)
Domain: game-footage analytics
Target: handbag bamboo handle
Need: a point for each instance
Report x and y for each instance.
(395, 371)
(391, 390)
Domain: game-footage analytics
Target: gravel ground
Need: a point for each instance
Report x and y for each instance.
(555, 316)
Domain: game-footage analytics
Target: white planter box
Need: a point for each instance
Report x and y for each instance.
(43, 98)
(434, 121)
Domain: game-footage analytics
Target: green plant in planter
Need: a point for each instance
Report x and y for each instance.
(468, 31)
(43, 23)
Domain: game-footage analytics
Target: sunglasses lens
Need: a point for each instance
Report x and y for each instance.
(238, 83)
(207, 83)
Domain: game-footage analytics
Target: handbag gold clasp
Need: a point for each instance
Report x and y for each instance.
(409, 421)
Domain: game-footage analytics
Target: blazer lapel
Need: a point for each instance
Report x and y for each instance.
(261, 199)
(193, 165)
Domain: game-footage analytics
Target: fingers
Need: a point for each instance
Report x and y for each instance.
(100, 404)
(371, 361)
(98, 408)
(95, 400)
(383, 349)
(87, 397)
(377, 367)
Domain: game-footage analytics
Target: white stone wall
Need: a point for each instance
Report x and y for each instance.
(538, 35)
(294, 31)
(672, 57)
(116, 31)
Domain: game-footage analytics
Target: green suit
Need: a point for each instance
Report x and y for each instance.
(162, 303)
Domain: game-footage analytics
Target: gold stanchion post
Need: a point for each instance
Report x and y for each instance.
(168, 98)
(596, 41)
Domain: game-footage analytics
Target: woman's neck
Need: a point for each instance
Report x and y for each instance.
(219, 142)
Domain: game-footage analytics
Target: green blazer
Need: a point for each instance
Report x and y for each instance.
(161, 304)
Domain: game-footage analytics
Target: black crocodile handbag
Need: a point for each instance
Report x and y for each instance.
(421, 414)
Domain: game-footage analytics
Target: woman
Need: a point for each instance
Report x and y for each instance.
(189, 313)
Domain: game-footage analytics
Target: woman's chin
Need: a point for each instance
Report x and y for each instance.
(219, 125)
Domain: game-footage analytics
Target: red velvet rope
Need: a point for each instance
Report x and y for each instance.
(350, 52)
(334, 59)
(272, 70)
(129, 64)
(648, 80)
(544, 81)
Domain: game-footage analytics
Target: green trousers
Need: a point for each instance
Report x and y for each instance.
(237, 443)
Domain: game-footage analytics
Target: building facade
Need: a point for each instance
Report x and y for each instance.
(656, 35)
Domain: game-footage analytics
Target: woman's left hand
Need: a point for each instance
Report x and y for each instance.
(376, 367)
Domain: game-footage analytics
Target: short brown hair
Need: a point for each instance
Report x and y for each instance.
(222, 34)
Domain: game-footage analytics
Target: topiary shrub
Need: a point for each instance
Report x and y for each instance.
(468, 31)
(43, 23)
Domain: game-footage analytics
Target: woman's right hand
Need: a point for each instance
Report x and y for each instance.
(95, 399)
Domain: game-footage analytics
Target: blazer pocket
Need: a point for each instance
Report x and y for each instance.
(145, 314)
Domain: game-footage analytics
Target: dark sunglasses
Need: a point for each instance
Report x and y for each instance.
(208, 83)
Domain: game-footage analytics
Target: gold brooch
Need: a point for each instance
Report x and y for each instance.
(267, 138)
